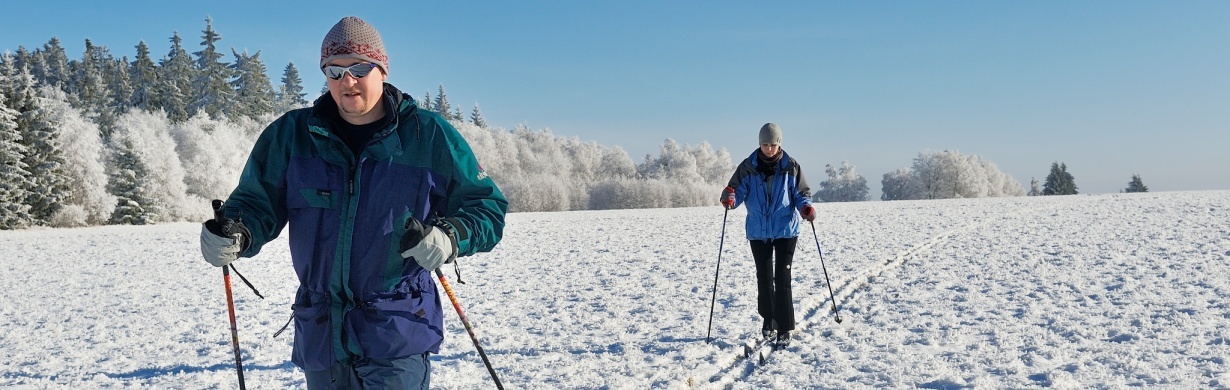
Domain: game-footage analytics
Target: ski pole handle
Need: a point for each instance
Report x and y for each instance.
(217, 204)
(230, 300)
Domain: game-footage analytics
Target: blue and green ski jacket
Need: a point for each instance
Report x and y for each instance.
(357, 297)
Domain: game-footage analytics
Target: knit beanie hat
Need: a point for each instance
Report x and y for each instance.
(770, 134)
(351, 37)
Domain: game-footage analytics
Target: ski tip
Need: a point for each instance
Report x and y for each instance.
(762, 359)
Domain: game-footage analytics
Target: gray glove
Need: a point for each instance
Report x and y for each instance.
(430, 246)
(221, 243)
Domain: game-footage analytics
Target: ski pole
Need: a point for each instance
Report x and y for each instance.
(832, 297)
(713, 301)
(469, 329)
(230, 301)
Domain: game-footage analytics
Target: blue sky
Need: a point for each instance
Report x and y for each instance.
(1111, 88)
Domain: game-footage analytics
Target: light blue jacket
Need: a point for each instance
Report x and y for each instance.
(773, 201)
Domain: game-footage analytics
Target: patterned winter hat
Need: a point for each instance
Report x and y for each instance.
(351, 37)
(770, 134)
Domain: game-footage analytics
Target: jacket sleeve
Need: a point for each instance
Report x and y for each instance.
(258, 200)
(802, 193)
(475, 205)
(736, 181)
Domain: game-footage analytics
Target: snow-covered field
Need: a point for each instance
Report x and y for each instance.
(1079, 292)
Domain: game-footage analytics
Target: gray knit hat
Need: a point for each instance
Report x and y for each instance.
(770, 134)
(351, 37)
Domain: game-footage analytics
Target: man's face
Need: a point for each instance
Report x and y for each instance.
(358, 99)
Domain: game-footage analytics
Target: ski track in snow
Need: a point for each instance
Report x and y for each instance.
(816, 310)
(1088, 291)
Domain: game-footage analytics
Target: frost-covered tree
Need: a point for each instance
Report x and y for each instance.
(89, 203)
(949, 174)
(41, 140)
(52, 67)
(290, 94)
(144, 78)
(120, 88)
(253, 91)
(212, 93)
(21, 59)
(1136, 185)
(214, 151)
(674, 163)
(1059, 181)
(175, 77)
(1035, 189)
(898, 185)
(476, 117)
(842, 185)
(135, 204)
(148, 176)
(616, 164)
(541, 172)
(88, 87)
(442, 106)
(713, 166)
(426, 102)
(14, 174)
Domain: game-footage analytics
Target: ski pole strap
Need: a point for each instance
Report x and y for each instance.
(287, 325)
(245, 281)
(457, 269)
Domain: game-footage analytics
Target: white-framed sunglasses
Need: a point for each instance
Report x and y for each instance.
(357, 71)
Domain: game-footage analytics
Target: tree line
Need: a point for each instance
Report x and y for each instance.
(99, 140)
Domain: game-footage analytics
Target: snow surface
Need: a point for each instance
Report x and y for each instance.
(1073, 292)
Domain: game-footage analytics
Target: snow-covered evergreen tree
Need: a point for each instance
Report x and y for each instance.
(1136, 185)
(22, 58)
(1059, 181)
(52, 67)
(211, 91)
(290, 94)
(144, 78)
(14, 174)
(88, 86)
(426, 102)
(842, 185)
(175, 77)
(120, 88)
(441, 105)
(41, 140)
(135, 204)
(253, 90)
(476, 117)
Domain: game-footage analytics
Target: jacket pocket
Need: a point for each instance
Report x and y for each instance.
(313, 348)
(402, 322)
(313, 183)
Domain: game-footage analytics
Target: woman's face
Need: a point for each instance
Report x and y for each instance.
(770, 150)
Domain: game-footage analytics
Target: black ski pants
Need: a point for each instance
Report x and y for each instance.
(774, 300)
